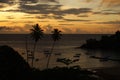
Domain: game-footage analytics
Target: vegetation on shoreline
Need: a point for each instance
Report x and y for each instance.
(105, 43)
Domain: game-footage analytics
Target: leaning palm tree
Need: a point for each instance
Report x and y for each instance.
(56, 35)
(36, 34)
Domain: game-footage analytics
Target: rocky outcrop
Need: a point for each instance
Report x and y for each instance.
(12, 65)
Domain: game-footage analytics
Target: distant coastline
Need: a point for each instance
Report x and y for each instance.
(107, 42)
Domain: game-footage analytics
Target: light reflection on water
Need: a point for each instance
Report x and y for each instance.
(65, 46)
(84, 62)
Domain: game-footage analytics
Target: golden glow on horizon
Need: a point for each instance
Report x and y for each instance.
(94, 18)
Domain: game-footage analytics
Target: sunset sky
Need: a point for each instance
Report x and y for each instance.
(70, 16)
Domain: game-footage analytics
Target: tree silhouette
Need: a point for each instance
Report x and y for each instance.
(26, 46)
(36, 34)
(56, 35)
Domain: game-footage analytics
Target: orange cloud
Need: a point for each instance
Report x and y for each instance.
(108, 2)
(112, 2)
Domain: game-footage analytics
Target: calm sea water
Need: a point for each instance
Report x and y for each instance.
(65, 46)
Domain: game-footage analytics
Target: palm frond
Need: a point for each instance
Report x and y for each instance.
(36, 32)
(56, 34)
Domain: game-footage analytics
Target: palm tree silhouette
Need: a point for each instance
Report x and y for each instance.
(36, 34)
(56, 35)
(26, 46)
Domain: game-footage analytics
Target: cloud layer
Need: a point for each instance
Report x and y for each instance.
(112, 2)
(58, 13)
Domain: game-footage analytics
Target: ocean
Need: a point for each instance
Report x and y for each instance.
(64, 48)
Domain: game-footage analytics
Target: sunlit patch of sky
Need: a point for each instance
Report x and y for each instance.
(85, 16)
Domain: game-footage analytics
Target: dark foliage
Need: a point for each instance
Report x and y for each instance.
(106, 43)
(64, 73)
(56, 34)
(36, 33)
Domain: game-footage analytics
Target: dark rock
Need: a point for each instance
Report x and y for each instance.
(12, 65)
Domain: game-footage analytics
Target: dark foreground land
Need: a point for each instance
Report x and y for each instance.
(109, 73)
(14, 67)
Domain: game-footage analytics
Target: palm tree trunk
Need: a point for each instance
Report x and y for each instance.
(33, 54)
(26, 48)
(50, 54)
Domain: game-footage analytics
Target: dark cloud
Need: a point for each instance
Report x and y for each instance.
(6, 1)
(28, 1)
(77, 11)
(4, 28)
(61, 21)
(111, 13)
(11, 29)
(56, 1)
(3, 20)
(107, 13)
(112, 3)
(14, 29)
(28, 17)
(58, 17)
(13, 2)
(77, 20)
(40, 8)
(109, 22)
(51, 9)
(49, 17)
(1, 6)
(45, 9)
(55, 10)
(44, 21)
(22, 21)
(66, 24)
(109, 3)
(83, 16)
